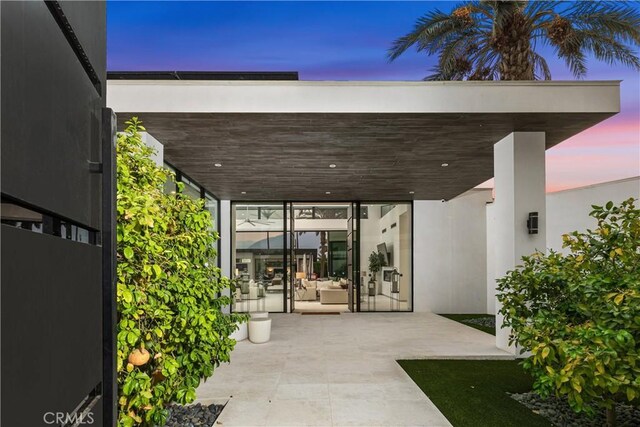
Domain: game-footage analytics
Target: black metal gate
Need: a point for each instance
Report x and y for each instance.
(57, 222)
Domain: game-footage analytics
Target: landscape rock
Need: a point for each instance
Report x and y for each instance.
(560, 414)
(197, 415)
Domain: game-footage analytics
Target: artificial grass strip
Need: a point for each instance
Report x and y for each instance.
(473, 393)
(460, 317)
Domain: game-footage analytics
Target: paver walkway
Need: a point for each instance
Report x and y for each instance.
(340, 370)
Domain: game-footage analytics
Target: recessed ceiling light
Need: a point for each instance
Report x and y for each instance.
(332, 165)
(218, 165)
(327, 192)
(412, 192)
(444, 165)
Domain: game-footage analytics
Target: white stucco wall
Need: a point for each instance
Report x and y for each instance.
(450, 254)
(491, 260)
(568, 210)
(219, 96)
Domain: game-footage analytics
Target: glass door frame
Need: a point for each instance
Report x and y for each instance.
(353, 256)
(353, 239)
(290, 236)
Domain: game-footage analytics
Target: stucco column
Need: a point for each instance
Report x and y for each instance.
(519, 171)
(225, 242)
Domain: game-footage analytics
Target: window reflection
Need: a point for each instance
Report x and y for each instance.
(386, 231)
(258, 251)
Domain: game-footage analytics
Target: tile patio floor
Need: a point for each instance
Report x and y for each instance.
(341, 370)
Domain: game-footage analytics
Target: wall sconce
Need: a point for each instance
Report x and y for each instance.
(532, 223)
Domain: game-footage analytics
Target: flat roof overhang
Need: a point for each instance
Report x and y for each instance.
(276, 139)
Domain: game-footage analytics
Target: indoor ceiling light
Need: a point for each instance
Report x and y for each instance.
(218, 165)
(332, 165)
(444, 165)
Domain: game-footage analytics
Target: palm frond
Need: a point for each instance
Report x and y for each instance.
(608, 49)
(486, 65)
(428, 30)
(576, 61)
(449, 57)
(540, 67)
(538, 9)
(615, 20)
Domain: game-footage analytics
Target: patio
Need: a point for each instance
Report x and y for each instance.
(340, 370)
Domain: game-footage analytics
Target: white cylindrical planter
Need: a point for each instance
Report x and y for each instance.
(259, 330)
(259, 314)
(242, 333)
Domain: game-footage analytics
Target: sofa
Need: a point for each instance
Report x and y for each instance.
(334, 292)
(334, 296)
(308, 292)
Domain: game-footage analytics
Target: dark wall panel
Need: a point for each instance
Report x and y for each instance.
(85, 17)
(50, 112)
(51, 288)
(51, 325)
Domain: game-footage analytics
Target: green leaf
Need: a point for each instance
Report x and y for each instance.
(128, 253)
(631, 394)
(157, 270)
(127, 295)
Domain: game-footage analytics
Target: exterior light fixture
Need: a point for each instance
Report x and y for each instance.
(444, 165)
(327, 192)
(218, 165)
(243, 192)
(332, 165)
(412, 192)
(532, 223)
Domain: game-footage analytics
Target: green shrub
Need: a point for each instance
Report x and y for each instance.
(171, 331)
(579, 314)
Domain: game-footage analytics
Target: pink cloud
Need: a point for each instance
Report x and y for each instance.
(606, 152)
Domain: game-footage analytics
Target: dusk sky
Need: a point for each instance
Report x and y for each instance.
(345, 41)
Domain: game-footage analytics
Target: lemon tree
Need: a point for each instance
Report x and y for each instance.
(171, 332)
(579, 313)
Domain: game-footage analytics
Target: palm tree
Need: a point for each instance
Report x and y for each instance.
(497, 40)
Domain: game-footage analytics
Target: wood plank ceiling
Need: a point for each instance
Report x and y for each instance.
(378, 157)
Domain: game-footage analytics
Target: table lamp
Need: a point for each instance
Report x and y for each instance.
(299, 276)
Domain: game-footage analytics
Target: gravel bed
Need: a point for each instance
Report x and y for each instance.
(560, 414)
(489, 322)
(197, 415)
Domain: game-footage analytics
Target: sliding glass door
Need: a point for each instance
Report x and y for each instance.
(385, 235)
(352, 256)
(258, 250)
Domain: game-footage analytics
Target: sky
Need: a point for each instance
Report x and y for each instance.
(345, 41)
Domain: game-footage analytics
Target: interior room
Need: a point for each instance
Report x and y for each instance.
(320, 257)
